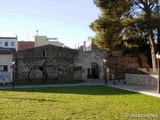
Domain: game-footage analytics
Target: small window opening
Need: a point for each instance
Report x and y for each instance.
(6, 43)
(44, 53)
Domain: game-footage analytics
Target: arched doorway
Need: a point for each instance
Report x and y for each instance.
(37, 73)
(94, 70)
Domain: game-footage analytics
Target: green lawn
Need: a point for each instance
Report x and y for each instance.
(72, 103)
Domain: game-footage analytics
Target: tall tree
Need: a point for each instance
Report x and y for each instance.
(108, 25)
(129, 23)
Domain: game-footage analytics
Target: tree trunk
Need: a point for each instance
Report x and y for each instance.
(158, 29)
(148, 16)
(153, 51)
(153, 55)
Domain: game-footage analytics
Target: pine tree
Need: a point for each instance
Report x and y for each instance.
(129, 25)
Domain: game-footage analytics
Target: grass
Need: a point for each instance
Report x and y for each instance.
(74, 103)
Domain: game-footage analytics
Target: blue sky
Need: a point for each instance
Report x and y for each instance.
(67, 20)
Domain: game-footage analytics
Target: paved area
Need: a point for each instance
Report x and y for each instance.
(147, 90)
(152, 91)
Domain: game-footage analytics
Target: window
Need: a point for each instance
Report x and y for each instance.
(3, 68)
(6, 43)
(44, 53)
(12, 43)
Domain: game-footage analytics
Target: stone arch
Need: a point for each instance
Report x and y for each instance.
(39, 69)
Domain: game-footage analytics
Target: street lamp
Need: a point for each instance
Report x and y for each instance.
(13, 66)
(158, 82)
(105, 75)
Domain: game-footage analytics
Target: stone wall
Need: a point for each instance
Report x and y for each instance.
(137, 79)
(85, 59)
(53, 59)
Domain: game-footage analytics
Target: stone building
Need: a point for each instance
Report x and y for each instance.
(91, 63)
(58, 63)
(55, 63)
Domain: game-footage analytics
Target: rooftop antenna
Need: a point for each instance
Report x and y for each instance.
(28, 36)
(36, 38)
(16, 35)
(37, 32)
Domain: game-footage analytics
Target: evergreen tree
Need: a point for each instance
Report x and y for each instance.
(128, 25)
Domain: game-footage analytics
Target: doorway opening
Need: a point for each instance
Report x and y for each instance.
(94, 70)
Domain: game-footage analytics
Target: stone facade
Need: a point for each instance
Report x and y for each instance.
(91, 63)
(64, 63)
(57, 61)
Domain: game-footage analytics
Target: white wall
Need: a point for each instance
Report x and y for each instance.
(9, 40)
(6, 59)
(88, 44)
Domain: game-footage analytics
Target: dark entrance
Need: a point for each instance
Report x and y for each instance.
(94, 71)
(88, 73)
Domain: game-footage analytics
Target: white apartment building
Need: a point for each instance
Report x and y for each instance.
(9, 42)
(5, 67)
(88, 44)
(8, 45)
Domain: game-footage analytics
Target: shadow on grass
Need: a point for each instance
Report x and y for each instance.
(32, 99)
(86, 90)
